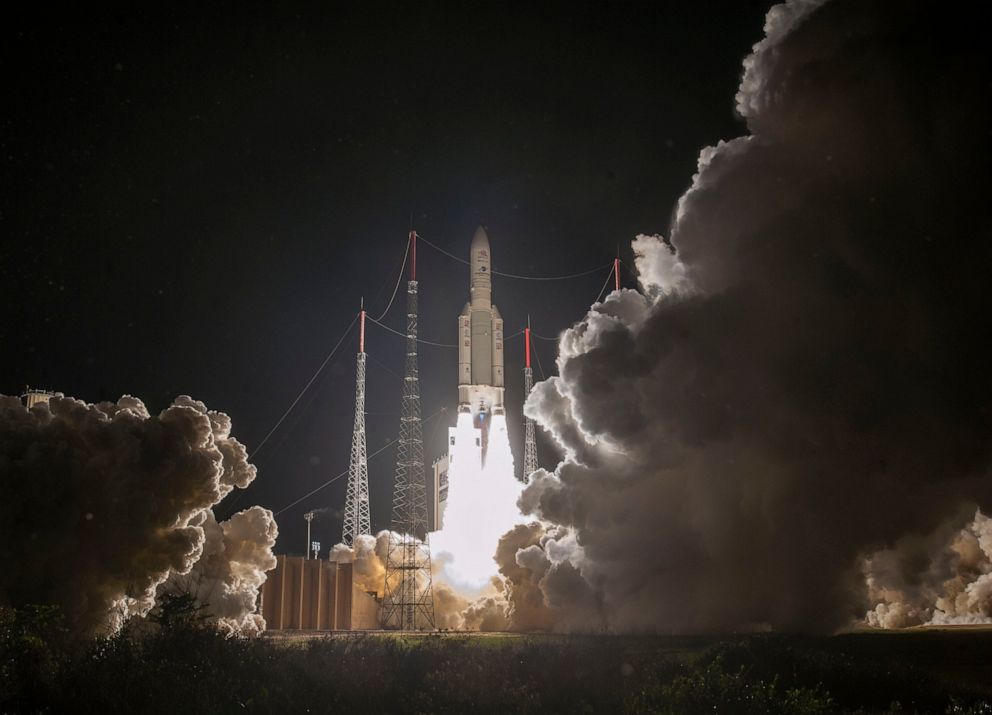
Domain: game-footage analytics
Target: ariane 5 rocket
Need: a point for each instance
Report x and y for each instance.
(480, 343)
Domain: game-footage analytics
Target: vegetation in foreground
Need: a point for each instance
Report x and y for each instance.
(182, 666)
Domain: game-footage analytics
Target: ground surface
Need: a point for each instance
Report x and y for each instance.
(959, 654)
(189, 669)
(917, 670)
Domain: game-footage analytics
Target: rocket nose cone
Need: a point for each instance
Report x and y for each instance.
(480, 239)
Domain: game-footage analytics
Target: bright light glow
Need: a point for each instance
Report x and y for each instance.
(482, 506)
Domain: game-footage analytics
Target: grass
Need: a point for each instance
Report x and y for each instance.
(187, 668)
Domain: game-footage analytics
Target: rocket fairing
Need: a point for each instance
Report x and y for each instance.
(480, 341)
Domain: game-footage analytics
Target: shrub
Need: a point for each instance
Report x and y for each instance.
(34, 646)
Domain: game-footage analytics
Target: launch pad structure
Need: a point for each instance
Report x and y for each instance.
(530, 441)
(408, 594)
(357, 518)
(302, 594)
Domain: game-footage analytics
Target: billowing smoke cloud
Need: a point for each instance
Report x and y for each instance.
(369, 558)
(544, 588)
(102, 503)
(453, 610)
(229, 574)
(802, 383)
(940, 579)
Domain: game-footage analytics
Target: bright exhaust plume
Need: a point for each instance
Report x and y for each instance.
(482, 506)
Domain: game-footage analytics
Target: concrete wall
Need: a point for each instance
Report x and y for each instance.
(364, 611)
(315, 594)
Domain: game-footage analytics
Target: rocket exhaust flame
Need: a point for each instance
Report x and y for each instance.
(482, 504)
(482, 489)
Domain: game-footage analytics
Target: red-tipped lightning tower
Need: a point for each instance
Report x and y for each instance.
(408, 601)
(361, 328)
(530, 443)
(357, 520)
(527, 344)
(616, 273)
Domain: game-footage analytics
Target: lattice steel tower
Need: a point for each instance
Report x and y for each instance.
(408, 601)
(356, 505)
(530, 443)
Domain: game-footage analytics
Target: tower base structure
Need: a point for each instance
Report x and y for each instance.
(409, 600)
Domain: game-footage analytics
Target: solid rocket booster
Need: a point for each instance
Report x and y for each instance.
(480, 344)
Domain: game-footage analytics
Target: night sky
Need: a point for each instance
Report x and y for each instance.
(194, 203)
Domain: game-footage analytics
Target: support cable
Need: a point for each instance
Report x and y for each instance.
(333, 479)
(396, 288)
(402, 335)
(597, 269)
(630, 271)
(305, 388)
(539, 366)
(345, 472)
(613, 268)
(383, 365)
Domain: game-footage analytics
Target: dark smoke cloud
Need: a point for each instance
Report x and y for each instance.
(544, 589)
(800, 393)
(102, 503)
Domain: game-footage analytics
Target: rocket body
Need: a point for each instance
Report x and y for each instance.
(480, 342)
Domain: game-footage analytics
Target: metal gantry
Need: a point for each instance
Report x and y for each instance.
(408, 600)
(357, 520)
(530, 442)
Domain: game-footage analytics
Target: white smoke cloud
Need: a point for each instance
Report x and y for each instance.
(945, 579)
(102, 503)
(790, 423)
(368, 556)
(660, 271)
(762, 81)
(229, 574)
